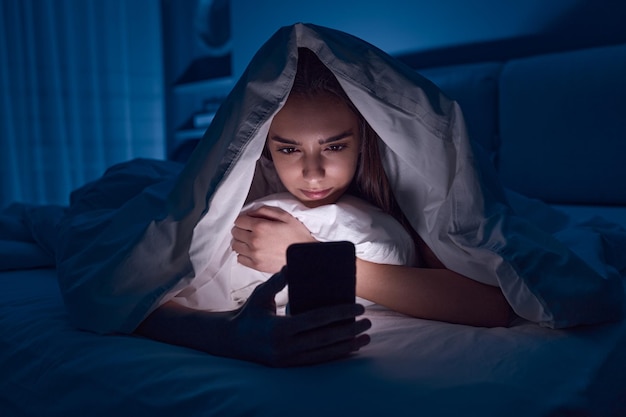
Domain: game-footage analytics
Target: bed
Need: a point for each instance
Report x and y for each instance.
(411, 367)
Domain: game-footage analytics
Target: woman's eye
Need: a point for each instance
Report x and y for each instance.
(287, 150)
(336, 148)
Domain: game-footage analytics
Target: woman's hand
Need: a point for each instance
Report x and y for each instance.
(261, 237)
(255, 333)
(259, 335)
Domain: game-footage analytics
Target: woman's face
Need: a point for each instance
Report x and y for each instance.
(314, 143)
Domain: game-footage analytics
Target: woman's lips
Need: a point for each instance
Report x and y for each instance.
(316, 194)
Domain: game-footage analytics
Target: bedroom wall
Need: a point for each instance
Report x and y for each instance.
(401, 26)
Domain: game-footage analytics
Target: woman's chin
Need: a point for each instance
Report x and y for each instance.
(314, 203)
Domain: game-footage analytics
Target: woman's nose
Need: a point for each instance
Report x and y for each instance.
(313, 168)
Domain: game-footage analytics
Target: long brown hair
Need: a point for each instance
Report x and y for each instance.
(370, 182)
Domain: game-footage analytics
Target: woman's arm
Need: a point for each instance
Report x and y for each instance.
(255, 333)
(433, 293)
(261, 238)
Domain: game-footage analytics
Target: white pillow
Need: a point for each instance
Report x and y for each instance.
(377, 237)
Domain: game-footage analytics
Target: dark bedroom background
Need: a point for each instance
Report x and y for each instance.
(90, 83)
(82, 88)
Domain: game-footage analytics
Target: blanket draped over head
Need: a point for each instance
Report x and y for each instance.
(121, 256)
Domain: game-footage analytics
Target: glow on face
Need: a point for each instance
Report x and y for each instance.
(314, 143)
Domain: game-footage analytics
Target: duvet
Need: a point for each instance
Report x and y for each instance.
(118, 261)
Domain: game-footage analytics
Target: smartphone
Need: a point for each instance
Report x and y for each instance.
(320, 274)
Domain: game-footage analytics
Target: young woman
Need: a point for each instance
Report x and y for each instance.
(322, 151)
(317, 148)
(123, 262)
(321, 148)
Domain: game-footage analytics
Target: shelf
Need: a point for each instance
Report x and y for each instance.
(189, 131)
(182, 135)
(217, 85)
(207, 72)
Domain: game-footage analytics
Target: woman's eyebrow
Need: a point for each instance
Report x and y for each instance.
(331, 139)
(277, 138)
(335, 138)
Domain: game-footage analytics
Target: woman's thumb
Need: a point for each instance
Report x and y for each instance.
(274, 284)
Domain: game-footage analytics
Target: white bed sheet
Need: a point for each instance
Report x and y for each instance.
(412, 367)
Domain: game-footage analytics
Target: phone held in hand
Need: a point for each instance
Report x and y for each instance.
(320, 274)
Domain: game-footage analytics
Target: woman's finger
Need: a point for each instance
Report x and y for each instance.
(245, 222)
(329, 335)
(324, 316)
(245, 260)
(240, 234)
(241, 248)
(271, 287)
(270, 213)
